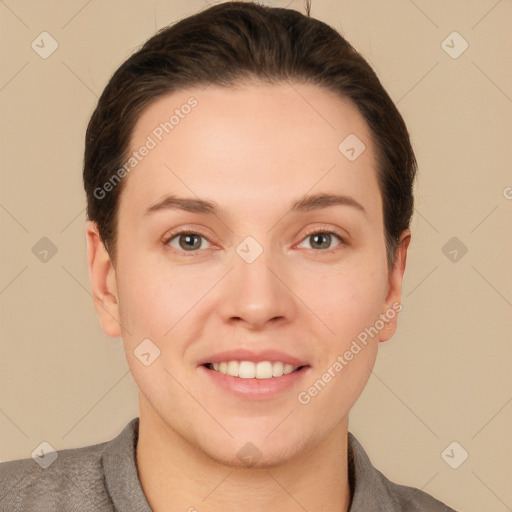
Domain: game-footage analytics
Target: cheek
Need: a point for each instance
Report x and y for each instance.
(348, 299)
(145, 288)
(159, 301)
(347, 357)
(150, 307)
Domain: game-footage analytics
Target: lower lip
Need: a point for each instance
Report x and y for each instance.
(255, 389)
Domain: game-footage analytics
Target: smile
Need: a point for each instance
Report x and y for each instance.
(251, 370)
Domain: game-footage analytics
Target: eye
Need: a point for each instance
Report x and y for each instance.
(321, 240)
(187, 241)
(192, 242)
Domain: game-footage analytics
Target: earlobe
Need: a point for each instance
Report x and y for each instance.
(103, 282)
(392, 304)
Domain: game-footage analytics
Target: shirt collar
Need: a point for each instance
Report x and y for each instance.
(368, 485)
(121, 474)
(368, 489)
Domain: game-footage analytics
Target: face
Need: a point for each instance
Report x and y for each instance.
(246, 234)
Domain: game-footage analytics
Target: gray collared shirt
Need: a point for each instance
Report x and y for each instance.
(104, 478)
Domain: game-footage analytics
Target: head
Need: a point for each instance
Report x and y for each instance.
(258, 116)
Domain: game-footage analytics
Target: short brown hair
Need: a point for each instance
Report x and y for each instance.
(232, 43)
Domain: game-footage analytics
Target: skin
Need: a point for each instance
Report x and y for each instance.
(253, 150)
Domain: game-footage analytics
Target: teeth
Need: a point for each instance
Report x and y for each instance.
(264, 370)
(244, 370)
(250, 370)
(288, 368)
(277, 369)
(232, 369)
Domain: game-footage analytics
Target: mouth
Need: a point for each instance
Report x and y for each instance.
(255, 381)
(254, 370)
(266, 374)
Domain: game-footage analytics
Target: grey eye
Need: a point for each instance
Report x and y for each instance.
(321, 240)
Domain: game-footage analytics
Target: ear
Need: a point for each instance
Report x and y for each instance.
(103, 280)
(392, 305)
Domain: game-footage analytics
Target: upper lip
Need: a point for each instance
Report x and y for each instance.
(256, 357)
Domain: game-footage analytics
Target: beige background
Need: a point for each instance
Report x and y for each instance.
(444, 377)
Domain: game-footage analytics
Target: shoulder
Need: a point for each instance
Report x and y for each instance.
(372, 491)
(410, 499)
(63, 480)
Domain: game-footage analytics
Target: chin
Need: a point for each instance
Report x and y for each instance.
(252, 456)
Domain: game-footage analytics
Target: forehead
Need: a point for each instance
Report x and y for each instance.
(257, 140)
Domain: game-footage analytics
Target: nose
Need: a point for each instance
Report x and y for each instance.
(258, 293)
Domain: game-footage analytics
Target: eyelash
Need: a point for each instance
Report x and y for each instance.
(322, 231)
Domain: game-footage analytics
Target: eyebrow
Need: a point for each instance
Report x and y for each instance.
(305, 204)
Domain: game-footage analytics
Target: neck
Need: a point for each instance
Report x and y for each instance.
(177, 476)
